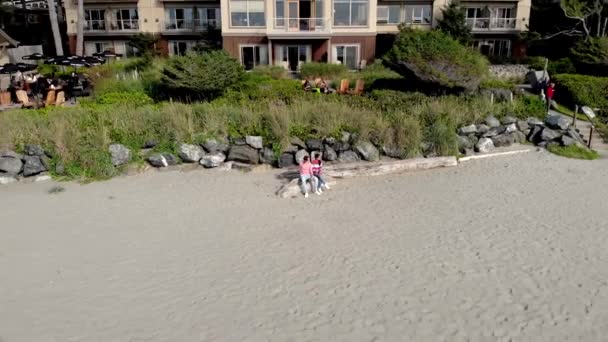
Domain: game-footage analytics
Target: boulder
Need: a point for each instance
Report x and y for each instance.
(503, 140)
(314, 144)
(7, 180)
(267, 156)
(492, 122)
(239, 141)
(214, 159)
(510, 128)
(162, 159)
(532, 121)
(568, 141)
(519, 137)
(346, 137)
(522, 125)
(10, 154)
(292, 149)
(549, 135)
(150, 144)
(367, 150)
(47, 162)
(329, 141)
(342, 146)
(484, 145)
(542, 144)
(507, 120)
(33, 150)
(534, 135)
(243, 154)
(495, 131)
(120, 154)
(482, 129)
(348, 157)
(300, 156)
(212, 146)
(11, 166)
(393, 151)
(473, 138)
(329, 154)
(255, 141)
(439, 73)
(572, 133)
(32, 166)
(557, 122)
(466, 130)
(464, 143)
(190, 153)
(60, 169)
(287, 160)
(298, 142)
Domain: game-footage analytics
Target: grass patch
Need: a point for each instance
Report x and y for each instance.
(574, 152)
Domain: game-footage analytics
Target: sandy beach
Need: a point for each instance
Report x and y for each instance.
(506, 249)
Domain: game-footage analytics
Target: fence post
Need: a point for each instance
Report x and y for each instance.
(574, 116)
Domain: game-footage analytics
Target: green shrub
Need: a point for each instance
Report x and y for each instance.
(535, 62)
(526, 106)
(405, 133)
(134, 98)
(393, 100)
(582, 90)
(436, 59)
(573, 151)
(441, 136)
(325, 71)
(274, 72)
(496, 83)
(561, 66)
(591, 56)
(453, 22)
(200, 76)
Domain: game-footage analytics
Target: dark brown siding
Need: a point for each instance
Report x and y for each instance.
(72, 44)
(368, 45)
(231, 44)
(163, 47)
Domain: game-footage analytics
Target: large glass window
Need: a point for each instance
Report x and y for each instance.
(94, 20)
(125, 19)
(389, 14)
(247, 13)
(347, 55)
(350, 12)
(180, 47)
(418, 14)
(254, 55)
(279, 13)
(179, 18)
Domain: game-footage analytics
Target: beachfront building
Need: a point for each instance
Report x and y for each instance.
(291, 32)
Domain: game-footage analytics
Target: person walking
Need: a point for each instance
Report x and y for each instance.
(306, 174)
(317, 171)
(550, 92)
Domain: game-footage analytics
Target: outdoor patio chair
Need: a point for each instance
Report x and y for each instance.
(50, 98)
(5, 98)
(60, 98)
(24, 99)
(362, 64)
(344, 87)
(359, 88)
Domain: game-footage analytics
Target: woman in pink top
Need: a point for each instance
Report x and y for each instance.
(306, 174)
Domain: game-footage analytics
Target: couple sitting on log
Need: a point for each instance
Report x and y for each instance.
(313, 172)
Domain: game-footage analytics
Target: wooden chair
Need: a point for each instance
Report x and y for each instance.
(24, 99)
(60, 98)
(344, 87)
(50, 98)
(359, 88)
(5, 98)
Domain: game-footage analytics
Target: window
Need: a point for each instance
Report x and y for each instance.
(178, 18)
(247, 13)
(94, 20)
(389, 14)
(350, 12)
(126, 19)
(347, 55)
(180, 48)
(418, 14)
(279, 13)
(209, 17)
(503, 18)
(254, 55)
(97, 47)
(494, 48)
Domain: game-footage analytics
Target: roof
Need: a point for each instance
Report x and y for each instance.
(6, 39)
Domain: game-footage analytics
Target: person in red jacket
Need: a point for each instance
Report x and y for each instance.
(550, 93)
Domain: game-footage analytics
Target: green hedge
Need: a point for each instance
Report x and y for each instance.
(582, 90)
(322, 70)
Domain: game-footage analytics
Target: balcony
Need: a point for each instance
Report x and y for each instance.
(491, 24)
(111, 27)
(190, 25)
(299, 26)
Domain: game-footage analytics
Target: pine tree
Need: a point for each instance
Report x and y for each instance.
(454, 23)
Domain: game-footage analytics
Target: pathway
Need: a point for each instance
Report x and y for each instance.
(584, 127)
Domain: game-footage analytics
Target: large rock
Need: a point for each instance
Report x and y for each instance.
(482, 129)
(438, 74)
(484, 145)
(292, 149)
(287, 160)
(522, 125)
(150, 144)
(519, 137)
(557, 122)
(503, 140)
(255, 141)
(300, 156)
(341, 146)
(10, 154)
(464, 143)
(33, 150)
(329, 154)
(507, 120)
(492, 122)
(298, 142)
(162, 159)
(11, 166)
(212, 146)
(120, 154)
(534, 135)
(532, 121)
(495, 131)
(267, 156)
(348, 157)
(510, 128)
(393, 151)
(572, 133)
(314, 144)
(568, 141)
(32, 166)
(244, 154)
(549, 135)
(214, 159)
(367, 150)
(346, 137)
(466, 130)
(190, 153)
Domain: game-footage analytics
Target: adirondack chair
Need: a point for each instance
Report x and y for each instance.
(50, 98)
(359, 88)
(5, 98)
(344, 87)
(60, 98)
(24, 99)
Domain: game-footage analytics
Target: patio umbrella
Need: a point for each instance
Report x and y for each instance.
(33, 57)
(9, 69)
(107, 54)
(23, 67)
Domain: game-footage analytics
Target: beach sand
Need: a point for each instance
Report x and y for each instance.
(497, 249)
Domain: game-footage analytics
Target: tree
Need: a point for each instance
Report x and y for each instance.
(453, 23)
(80, 29)
(144, 44)
(55, 27)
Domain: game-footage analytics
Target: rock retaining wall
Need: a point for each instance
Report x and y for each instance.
(509, 71)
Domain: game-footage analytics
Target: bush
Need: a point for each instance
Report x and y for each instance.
(560, 66)
(325, 71)
(527, 106)
(453, 22)
(437, 60)
(582, 90)
(496, 83)
(134, 98)
(591, 56)
(200, 76)
(274, 72)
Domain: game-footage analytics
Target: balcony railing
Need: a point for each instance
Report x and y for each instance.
(490, 24)
(124, 25)
(95, 25)
(195, 25)
(299, 25)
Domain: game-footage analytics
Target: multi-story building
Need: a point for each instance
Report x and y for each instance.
(290, 32)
